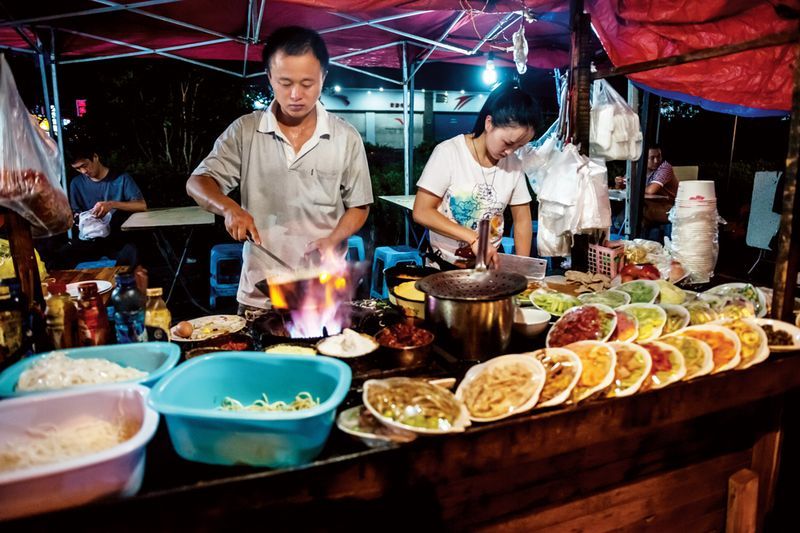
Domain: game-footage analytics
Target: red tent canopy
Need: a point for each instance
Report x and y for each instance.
(365, 33)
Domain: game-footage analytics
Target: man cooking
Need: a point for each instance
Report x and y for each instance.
(303, 174)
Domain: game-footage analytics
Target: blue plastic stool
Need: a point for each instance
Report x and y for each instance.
(355, 249)
(100, 263)
(508, 245)
(223, 281)
(386, 257)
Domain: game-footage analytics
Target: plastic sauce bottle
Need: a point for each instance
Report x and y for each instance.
(92, 316)
(10, 328)
(157, 317)
(61, 316)
(129, 307)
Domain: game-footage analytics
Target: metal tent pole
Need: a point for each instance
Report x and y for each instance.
(407, 147)
(59, 124)
(45, 89)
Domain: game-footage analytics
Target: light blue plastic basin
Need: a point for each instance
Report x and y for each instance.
(189, 398)
(155, 358)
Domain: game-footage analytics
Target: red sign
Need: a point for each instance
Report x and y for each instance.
(80, 107)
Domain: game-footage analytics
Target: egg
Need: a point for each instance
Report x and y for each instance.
(184, 329)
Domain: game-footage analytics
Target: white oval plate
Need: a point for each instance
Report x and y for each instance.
(601, 307)
(459, 425)
(679, 374)
(538, 376)
(635, 335)
(762, 300)
(656, 333)
(587, 297)
(791, 329)
(763, 346)
(708, 356)
(217, 325)
(102, 287)
(560, 295)
(563, 354)
(348, 422)
(646, 374)
(647, 282)
(609, 376)
(679, 309)
(733, 337)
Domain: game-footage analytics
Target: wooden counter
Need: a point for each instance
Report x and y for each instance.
(659, 460)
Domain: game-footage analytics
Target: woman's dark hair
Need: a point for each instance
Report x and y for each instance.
(295, 41)
(508, 105)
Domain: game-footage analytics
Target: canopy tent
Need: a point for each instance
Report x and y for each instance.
(371, 33)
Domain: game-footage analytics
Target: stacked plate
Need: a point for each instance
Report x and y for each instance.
(695, 236)
(103, 287)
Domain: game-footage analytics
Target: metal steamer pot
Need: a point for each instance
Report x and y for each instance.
(472, 310)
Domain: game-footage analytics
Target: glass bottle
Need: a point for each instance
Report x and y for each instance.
(10, 328)
(61, 317)
(92, 316)
(129, 307)
(157, 317)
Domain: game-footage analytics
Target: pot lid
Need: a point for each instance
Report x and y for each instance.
(472, 285)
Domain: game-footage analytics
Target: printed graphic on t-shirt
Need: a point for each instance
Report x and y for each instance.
(469, 207)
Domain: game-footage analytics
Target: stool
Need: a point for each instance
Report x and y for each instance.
(508, 245)
(355, 245)
(386, 257)
(104, 262)
(226, 266)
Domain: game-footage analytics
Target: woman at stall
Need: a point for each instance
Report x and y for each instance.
(476, 176)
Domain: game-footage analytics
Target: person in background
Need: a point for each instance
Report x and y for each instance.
(101, 197)
(475, 176)
(661, 178)
(303, 173)
(660, 191)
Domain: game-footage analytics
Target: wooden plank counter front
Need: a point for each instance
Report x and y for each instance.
(659, 460)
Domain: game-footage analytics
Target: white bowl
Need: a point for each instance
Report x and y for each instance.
(116, 471)
(530, 322)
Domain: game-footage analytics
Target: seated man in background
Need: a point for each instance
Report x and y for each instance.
(101, 201)
(660, 191)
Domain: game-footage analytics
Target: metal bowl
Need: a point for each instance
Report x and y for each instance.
(406, 356)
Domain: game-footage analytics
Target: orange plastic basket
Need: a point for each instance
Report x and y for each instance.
(607, 260)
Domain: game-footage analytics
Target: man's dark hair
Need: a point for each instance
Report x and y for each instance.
(656, 146)
(509, 106)
(77, 150)
(295, 41)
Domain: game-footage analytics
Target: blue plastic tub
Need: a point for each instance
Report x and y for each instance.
(189, 398)
(155, 358)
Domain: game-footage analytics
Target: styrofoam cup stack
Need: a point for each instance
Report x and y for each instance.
(695, 229)
(696, 190)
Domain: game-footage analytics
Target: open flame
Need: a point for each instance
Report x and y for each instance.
(314, 298)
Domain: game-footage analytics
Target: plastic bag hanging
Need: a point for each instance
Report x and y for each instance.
(520, 50)
(614, 132)
(29, 165)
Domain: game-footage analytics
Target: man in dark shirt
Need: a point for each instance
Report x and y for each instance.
(99, 191)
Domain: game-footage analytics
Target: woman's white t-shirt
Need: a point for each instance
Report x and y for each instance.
(470, 192)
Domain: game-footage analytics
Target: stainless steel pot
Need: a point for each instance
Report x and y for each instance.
(472, 311)
(471, 330)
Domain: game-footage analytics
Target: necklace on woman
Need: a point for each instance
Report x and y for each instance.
(484, 192)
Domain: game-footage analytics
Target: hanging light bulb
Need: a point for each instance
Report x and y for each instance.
(489, 73)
